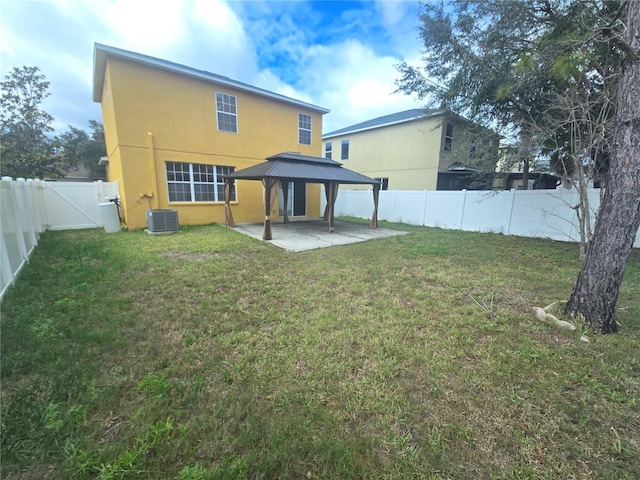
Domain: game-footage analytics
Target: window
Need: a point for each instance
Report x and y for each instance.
(195, 182)
(344, 152)
(448, 138)
(226, 107)
(304, 129)
(327, 150)
(384, 182)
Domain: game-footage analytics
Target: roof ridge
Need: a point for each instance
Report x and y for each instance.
(101, 51)
(389, 119)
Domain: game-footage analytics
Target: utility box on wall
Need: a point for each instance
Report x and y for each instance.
(162, 221)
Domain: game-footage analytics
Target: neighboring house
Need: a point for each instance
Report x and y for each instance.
(78, 174)
(415, 150)
(509, 173)
(173, 131)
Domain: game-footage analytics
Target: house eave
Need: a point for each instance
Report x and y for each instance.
(341, 133)
(102, 52)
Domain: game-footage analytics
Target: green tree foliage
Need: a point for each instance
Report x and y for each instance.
(506, 64)
(81, 148)
(26, 146)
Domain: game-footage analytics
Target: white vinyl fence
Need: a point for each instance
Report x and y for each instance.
(527, 213)
(30, 207)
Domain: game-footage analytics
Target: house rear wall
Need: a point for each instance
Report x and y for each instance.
(153, 115)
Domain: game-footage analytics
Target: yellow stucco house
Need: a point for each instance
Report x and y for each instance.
(415, 149)
(173, 131)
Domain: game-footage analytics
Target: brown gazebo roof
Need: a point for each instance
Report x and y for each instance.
(291, 166)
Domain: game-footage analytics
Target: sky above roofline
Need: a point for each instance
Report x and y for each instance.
(337, 55)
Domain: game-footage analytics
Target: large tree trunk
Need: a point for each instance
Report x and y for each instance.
(596, 290)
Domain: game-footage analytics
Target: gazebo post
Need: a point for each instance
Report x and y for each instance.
(332, 188)
(268, 185)
(285, 199)
(228, 216)
(325, 216)
(374, 216)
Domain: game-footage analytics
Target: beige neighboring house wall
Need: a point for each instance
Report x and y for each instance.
(407, 147)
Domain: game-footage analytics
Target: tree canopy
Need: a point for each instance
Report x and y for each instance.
(505, 64)
(81, 148)
(28, 148)
(26, 145)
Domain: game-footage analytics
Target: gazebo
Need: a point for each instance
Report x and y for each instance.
(290, 166)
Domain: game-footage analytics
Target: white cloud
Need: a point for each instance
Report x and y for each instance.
(393, 11)
(269, 81)
(290, 48)
(355, 83)
(219, 41)
(144, 23)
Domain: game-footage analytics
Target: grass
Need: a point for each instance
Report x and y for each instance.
(210, 355)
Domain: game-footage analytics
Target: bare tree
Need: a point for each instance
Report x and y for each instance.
(577, 129)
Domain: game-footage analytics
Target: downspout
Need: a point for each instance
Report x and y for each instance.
(152, 165)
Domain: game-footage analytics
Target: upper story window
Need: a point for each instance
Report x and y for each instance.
(304, 129)
(344, 150)
(196, 182)
(227, 110)
(448, 138)
(328, 150)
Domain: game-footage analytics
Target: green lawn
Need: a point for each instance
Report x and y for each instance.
(210, 355)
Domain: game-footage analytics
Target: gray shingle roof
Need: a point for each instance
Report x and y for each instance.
(295, 166)
(101, 52)
(391, 119)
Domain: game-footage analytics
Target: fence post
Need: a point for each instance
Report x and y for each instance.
(36, 221)
(100, 187)
(463, 201)
(509, 211)
(28, 226)
(42, 205)
(393, 211)
(424, 210)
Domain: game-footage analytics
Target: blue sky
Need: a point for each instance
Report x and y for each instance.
(338, 55)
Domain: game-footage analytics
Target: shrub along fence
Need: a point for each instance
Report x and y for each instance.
(527, 213)
(30, 207)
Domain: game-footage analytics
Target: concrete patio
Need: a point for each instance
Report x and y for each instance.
(304, 235)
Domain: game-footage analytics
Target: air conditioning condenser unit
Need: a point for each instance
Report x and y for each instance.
(162, 221)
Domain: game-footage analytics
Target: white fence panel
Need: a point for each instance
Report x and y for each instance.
(74, 205)
(529, 213)
(408, 205)
(29, 207)
(486, 211)
(20, 228)
(358, 201)
(443, 209)
(546, 215)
